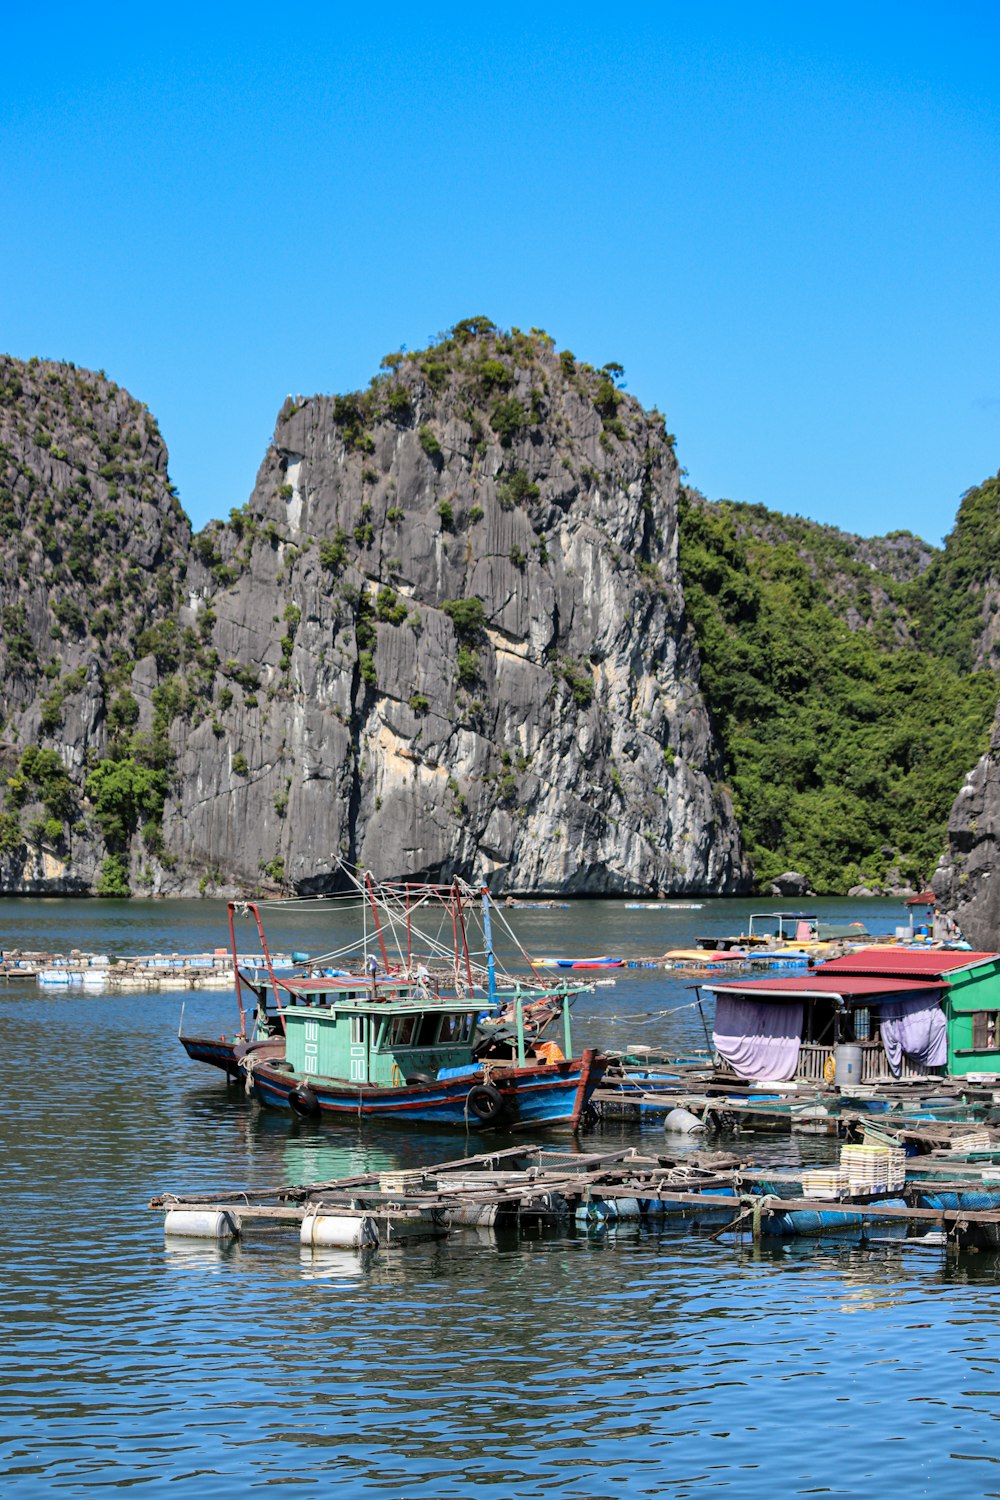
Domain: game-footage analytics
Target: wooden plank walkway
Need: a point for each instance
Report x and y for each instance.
(534, 1184)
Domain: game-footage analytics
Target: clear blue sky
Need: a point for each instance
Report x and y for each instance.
(783, 220)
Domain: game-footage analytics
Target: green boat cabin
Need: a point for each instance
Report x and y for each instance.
(387, 1033)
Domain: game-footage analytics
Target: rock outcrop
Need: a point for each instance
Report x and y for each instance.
(445, 635)
(93, 547)
(967, 881)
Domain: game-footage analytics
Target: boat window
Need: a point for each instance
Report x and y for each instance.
(357, 1031)
(455, 1028)
(401, 1031)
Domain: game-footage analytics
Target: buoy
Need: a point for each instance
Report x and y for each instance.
(339, 1231)
(202, 1224)
(682, 1122)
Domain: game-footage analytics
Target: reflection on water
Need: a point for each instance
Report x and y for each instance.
(558, 1363)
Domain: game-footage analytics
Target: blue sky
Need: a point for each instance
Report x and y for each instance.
(782, 220)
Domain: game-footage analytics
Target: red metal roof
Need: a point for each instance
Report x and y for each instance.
(857, 986)
(922, 898)
(912, 963)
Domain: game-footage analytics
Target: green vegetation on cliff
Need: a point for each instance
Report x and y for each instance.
(961, 596)
(846, 728)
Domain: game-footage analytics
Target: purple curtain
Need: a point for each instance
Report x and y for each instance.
(917, 1027)
(759, 1038)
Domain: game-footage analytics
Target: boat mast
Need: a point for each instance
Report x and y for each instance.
(236, 971)
(378, 925)
(465, 942)
(491, 970)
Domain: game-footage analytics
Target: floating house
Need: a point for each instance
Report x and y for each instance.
(875, 1014)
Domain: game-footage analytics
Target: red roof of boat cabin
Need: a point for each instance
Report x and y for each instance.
(809, 986)
(906, 963)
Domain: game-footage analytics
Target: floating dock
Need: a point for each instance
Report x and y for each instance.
(651, 1085)
(600, 1191)
(111, 972)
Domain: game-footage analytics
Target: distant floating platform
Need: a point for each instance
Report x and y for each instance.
(151, 971)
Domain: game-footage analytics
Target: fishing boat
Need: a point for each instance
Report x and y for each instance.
(386, 1041)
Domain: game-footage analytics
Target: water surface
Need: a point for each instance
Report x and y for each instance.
(554, 1364)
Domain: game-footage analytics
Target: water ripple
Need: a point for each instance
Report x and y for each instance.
(637, 1364)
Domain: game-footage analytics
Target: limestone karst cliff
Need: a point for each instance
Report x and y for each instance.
(967, 880)
(93, 547)
(445, 634)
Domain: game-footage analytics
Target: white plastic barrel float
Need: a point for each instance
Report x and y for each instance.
(682, 1122)
(339, 1231)
(201, 1223)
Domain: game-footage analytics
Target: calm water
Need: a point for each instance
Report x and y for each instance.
(559, 1364)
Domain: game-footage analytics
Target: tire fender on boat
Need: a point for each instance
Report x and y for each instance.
(486, 1103)
(303, 1101)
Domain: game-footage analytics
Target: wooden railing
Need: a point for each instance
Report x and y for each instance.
(874, 1063)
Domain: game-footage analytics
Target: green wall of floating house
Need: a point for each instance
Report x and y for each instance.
(974, 993)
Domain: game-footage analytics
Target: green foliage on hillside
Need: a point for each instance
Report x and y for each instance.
(124, 792)
(964, 578)
(838, 741)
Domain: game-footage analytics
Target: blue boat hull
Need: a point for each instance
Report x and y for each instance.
(549, 1094)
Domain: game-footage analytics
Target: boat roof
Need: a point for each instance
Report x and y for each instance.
(787, 916)
(913, 963)
(816, 986)
(322, 985)
(357, 995)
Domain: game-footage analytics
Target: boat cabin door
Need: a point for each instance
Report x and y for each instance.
(359, 1049)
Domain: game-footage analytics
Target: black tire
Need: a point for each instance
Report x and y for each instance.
(486, 1103)
(412, 1078)
(303, 1102)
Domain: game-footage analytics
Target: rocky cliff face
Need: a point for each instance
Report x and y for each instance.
(446, 634)
(967, 881)
(964, 600)
(93, 545)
